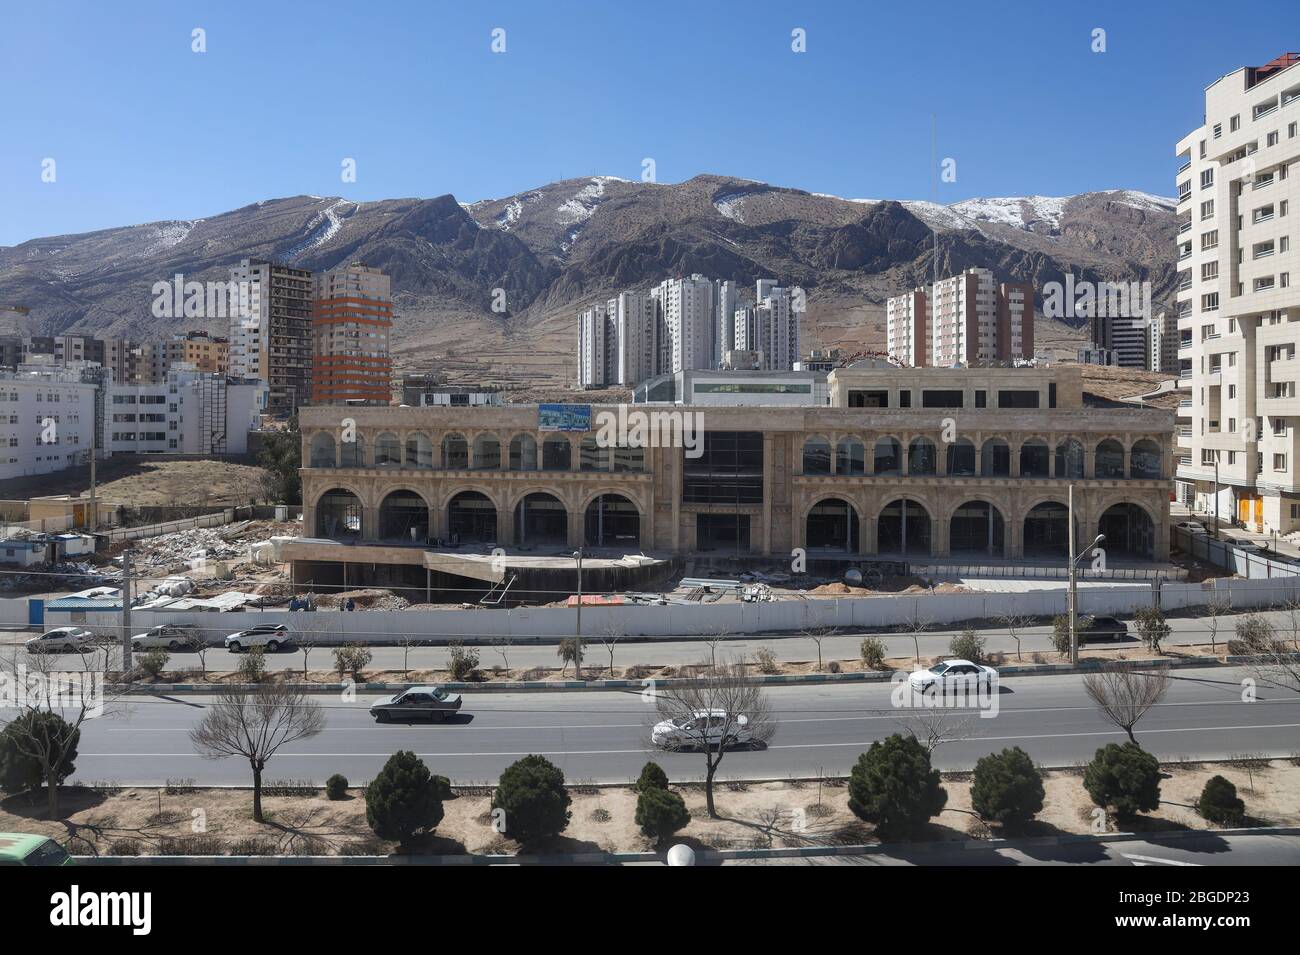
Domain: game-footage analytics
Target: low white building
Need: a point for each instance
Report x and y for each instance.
(47, 417)
(188, 413)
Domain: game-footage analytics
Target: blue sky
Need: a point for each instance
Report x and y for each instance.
(142, 128)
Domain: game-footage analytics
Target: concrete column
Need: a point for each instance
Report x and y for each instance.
(577, 527)
(769, 448)
(1013, 453)
(1089, 461)
(941, 458)
(1051, 455)
(506, 526)
(437, 520)
(436, 450)
(369, 522)
(869, 455)
(864, 534)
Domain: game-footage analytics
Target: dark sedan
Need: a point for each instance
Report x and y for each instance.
(419, 702)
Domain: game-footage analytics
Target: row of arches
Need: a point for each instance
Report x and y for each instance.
(1144, 460)
(485, 453)
(975, 528)
(540, 519)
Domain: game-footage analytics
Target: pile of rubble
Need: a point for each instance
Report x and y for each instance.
(361, 600)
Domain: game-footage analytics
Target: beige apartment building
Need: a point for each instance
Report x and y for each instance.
(966, 319)
(1238, 305)
(923, 464)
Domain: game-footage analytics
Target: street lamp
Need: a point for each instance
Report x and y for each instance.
(1072, 593)
(577, 555)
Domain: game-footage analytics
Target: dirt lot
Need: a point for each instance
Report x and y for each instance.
(758, 815)
(151, 481)
(287, 665)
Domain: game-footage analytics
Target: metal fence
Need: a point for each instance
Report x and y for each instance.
(1226, 554)
(168, 527)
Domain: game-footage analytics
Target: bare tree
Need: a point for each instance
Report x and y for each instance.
(915, 625)
(1216, 608)
(817, 635)
(43, 688)
(197, 642)
(715, 639)
(1124, 695)
(504, 645)
(610, 635)
(254, 724)
(712, 709)
(1272, 661)
(407, 640)
(935, 725)
(308, 629)
(1016, 625)
(1292, 608)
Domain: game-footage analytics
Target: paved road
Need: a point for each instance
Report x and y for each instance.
(674, 652)
(1205, 850)
(603, 736)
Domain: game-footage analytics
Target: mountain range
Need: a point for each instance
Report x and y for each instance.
(559, 247)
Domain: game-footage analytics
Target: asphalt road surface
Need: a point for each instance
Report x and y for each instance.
(1200, 850)
(604, 736)
(669, 651)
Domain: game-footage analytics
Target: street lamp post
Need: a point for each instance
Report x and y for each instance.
(577, 555)
(1216, 494)
(1072, 591)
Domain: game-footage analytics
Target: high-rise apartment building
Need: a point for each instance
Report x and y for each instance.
(1125, 338)
(595, 356)
(205, 352)
(271, 339)
(966, 319)
(1238, 305)
(635, 330)
(689, 309)
(351, 324)
(908, 328)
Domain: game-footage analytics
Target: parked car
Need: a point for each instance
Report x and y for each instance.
(419, 702)
(269, 637)
(62, 640)
(713, 728)
(952, 674)
(1094, 628)
(26, 848)
(167, 636)
(1193, 527)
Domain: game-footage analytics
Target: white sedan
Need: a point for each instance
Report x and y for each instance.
(270, 637)
(62, 640)
(711, 728)
(166, 636)
(953, 674)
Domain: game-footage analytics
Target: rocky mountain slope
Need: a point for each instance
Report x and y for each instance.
(559, 247)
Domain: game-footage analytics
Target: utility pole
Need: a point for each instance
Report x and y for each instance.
(92, 520)
(126, 615)
(1216, 493)
(1071, 598)
(578, 556)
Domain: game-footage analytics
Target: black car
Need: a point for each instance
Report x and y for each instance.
(1091, 629)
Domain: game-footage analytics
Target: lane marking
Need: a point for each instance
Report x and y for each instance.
(1153, 860)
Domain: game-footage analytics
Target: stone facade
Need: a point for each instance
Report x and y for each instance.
(955, 463)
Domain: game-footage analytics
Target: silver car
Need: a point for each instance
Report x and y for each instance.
(62, 640)
(167, 636)
(419, 702)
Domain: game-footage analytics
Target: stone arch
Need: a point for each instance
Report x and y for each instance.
(322, 451)
(1070, 459)
(472, 516)
(1130, 530)
(1109, 458)
(419, 450)
(1046, 529)
(922, 456)
(339, 513)
(905, 526)
(831, 522)
(388, 450)
(961, 458)
(487, 452)
(541, 518)
(977, 526)
(556, 453)
(995, 458)
(850, 455)
(887, 454)
(455, 451)
(1146, 460)
(611, 519)
(817, 451)
(404, 515)
(1035, 458)
(523, 452)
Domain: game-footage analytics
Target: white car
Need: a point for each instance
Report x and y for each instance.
(713, 728)
(167, 636)
(1192, 527)
(270, 637)
(62, 640)
(953, 674)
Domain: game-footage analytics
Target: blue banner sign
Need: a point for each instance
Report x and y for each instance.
(564, 417)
